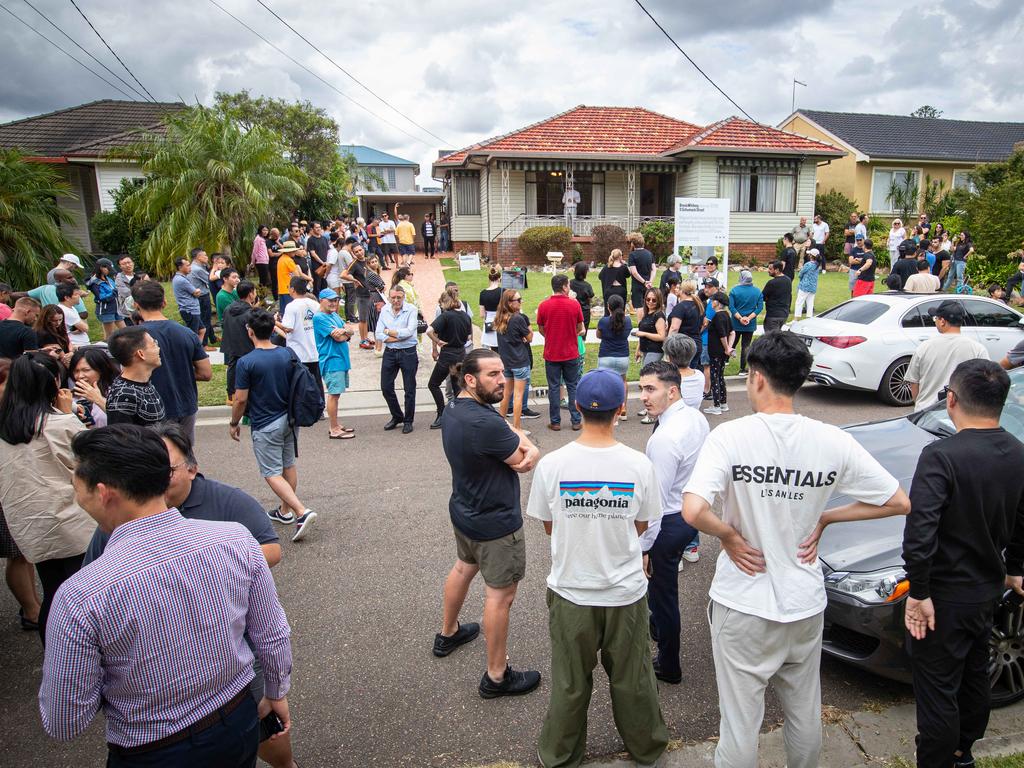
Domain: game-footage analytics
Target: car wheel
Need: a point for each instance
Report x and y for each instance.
(895, 389)
(1006, 652)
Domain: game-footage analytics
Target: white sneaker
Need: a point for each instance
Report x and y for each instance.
(303, 524)
(723, 407)
(713, 411)
(742, 374)
(691, 554)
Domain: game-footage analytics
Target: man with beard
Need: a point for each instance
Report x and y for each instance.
(485, 454)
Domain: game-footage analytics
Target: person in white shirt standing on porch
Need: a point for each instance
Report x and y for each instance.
(775, 471)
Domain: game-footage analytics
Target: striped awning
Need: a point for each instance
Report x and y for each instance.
(759, 162)
(592, 165)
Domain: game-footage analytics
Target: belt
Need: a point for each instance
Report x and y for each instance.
(197, 727)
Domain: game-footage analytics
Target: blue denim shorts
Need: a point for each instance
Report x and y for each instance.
(618, 364)
(274, 447)
(704, 359)
(518, 374)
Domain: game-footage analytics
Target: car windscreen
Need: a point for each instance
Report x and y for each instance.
(861, 312)
(936, 420)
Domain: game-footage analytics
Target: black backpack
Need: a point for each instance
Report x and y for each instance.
(305, 399)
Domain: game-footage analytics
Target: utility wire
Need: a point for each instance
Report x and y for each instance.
(78, 45)
(314, 74)
(113, 53)
(705, 74)
(366, 88)
(78, 61)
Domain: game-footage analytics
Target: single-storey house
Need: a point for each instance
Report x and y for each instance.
(77, 141)
(384, 179)
(628, 164)
(881, 149)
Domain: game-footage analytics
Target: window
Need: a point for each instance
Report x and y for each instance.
(391, 178)
(860, 312)
(918, 317)
(762, 188)
(657, 191)
(988, 314)
(962, 180)
(467, 193)
(544, 191)
(881, 184)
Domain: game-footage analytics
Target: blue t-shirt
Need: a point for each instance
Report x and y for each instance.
(333, 354)
(614, 344)
(209, 500)
(183, 290)
(709, 313)
(175, 379)
(266, 373)
(47, 295)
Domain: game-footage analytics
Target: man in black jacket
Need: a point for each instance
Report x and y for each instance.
(778, 295)
(789, 257)
(967, 507)
(234, 338)
(906, 264)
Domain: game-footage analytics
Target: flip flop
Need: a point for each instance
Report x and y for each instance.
(347, 429)
(342, 436)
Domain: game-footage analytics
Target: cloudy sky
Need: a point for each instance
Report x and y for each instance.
(466, 69)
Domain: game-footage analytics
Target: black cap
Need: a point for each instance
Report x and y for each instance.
(950, 311)
(710, 281)
(908, 248)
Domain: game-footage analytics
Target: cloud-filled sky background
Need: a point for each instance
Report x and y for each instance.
(466, 69)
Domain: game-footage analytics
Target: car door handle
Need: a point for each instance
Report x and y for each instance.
(991, 338)
(923, 338)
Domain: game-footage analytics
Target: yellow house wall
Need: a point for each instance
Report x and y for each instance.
(841, 173)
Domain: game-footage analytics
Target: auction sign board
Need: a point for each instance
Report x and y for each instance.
(702, 230)
(469, 262)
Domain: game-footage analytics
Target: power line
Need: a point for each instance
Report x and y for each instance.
(706, 77)
(77, 61)
(314, 74)
(87, 53)
(113, 53)
(351, 76)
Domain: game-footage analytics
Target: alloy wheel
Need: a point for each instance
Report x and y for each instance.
(1006, 652)
(899, 387)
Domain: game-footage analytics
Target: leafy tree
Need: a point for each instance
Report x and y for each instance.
(209, 182)
(659, 237)
(30, 219)
(114, 232)
(835, 209)
(926, 111)
(995, 219)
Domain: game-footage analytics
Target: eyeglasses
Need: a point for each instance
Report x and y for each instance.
(516, 298)
(652, 301)
(946, 390)
(179, 465)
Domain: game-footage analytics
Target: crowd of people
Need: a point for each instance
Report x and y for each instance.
(103, 501)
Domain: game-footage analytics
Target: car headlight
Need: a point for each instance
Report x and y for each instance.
(885, 586)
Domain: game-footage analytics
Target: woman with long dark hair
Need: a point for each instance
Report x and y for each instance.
(963, 248)
(105, 292)
(51, 328)
(36, 428)
(449, 333)
(514, 336)
(93, 371)
(260, 256)
(688, 316)
(614, 331)
(375, 284)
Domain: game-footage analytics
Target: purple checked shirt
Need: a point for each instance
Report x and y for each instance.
(152, 631)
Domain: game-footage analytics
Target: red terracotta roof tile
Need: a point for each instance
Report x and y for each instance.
(735, 133)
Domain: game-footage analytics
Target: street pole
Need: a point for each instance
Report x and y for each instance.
(792, 106)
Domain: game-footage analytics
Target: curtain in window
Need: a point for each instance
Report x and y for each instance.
(736, 188)
(784, 187)
(531, 195)
(597, 200)
(765, 193)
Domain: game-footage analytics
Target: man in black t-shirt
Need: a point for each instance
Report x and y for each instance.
(788, 257)
(778, 295)
(16, 334)
(963, 544)
(356, 272)
(941, 257)
(641, 268)
(317, 246)
(485, 454)
(906, 264)
(132, 398)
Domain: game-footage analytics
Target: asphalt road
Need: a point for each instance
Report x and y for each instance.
(363, 596)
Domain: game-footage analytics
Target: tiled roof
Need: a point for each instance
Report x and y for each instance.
(921, 138)
(71, 131)
(369, 156)
(635, 131)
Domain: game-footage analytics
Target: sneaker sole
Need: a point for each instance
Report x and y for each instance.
(300, 534)
(691, 558)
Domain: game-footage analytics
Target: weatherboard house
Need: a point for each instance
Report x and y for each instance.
(628, 164)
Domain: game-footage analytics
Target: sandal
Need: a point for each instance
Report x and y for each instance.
(342, 436)
(346, 429)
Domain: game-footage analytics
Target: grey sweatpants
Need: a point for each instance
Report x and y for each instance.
(749, 653)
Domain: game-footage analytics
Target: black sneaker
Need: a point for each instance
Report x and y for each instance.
(529, 413)
(674, 680)
(513, 684)
(966, 760)
(445, 644)
(436, 423)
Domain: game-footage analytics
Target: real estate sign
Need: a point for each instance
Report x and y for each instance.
(702, 230)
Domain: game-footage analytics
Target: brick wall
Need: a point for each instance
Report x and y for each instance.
(507, 250)
(762, 253)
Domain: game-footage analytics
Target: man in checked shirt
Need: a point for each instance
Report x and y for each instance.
(153, 631)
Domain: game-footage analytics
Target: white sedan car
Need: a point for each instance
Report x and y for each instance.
(866, 343)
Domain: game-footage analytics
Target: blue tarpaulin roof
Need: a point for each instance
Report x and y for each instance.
(370, 156)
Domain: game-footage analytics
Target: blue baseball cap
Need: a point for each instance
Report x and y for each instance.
(328, 295)
(600, 390)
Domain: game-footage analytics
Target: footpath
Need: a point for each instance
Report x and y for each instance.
(883, 737)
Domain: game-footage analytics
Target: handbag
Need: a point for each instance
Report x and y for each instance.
(421, 324)
(323, 269)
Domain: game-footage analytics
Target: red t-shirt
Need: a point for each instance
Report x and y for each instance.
(560, 316)
(5, 311)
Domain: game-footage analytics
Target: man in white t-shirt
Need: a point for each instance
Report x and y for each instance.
(297, 326)
(819, 236)
(595, 497)
(348, 287)
(388, 243)
(68, 295)
(934, 360)
(570, 200)
(672, 448)
(775, 472)
(333, 260)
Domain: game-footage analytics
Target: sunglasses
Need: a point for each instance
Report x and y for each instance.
(516, 298)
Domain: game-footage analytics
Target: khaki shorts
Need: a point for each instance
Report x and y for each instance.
(502, 561)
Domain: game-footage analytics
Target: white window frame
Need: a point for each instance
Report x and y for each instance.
(872, 208)
(952, 179)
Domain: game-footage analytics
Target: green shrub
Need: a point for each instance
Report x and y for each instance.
(608, 237)
(982, 270)
(659, 237)
(835, 209)
(535, 242)
(995, 218)
(578, 254)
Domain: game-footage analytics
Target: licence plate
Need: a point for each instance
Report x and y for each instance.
(807, 340)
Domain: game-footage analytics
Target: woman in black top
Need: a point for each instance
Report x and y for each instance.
(377, 288)
(584, 291)
(514, 337)
(613, 277)
(688, 317)
(652, 330)
(449, 332)
(489, 299)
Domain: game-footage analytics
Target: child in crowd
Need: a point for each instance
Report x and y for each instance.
(720, 345)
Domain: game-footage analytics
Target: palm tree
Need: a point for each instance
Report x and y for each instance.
(30, 219)
(208, 183)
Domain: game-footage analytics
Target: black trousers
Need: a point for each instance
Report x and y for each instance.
(273, 274)
(230, 361)
(773, 324)
(406, 361)
(263, 270)
(663, 590)
(442, 371)
(53, 573)
(429, 246)
(951, 682)
(350, 302)
(206, 318)
(718, 390)
(743, 339)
